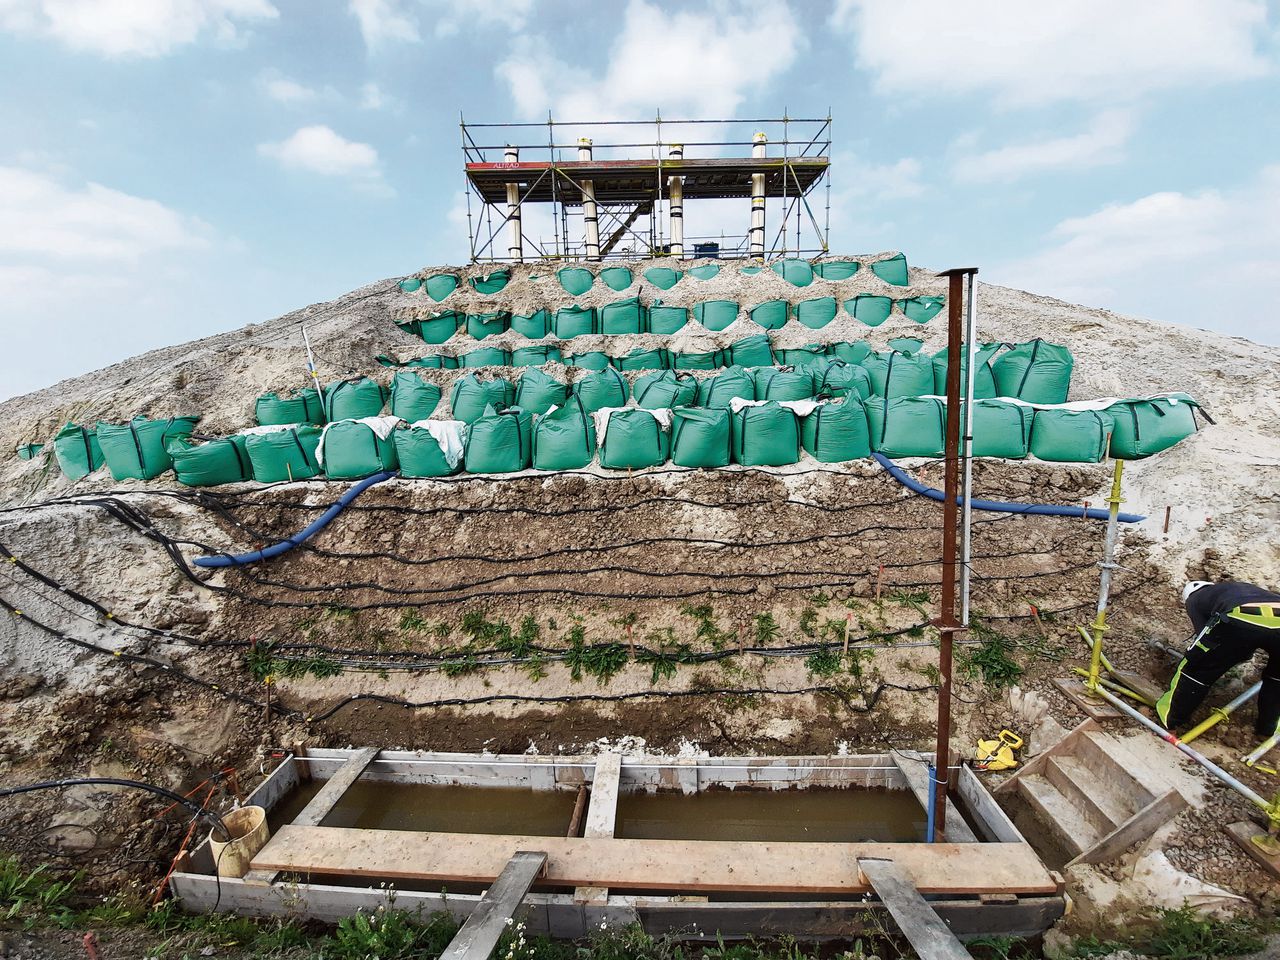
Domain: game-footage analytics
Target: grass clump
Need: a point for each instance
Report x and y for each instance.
(991, 660)
(1183, 934)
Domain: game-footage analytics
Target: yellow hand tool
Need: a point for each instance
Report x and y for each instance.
(998, 754)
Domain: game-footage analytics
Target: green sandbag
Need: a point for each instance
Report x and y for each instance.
(591, 360)
(435, 329)
(353, 399)
(715, 314)
(664, 278)
(492, 283)
(535, 325)
(798, 273)
(633, 440)
(605, 388)
(772, 314)
(440, 285)
(849, 352)
(641, 359)
(285, 454)
(534, 356)
(785, 383)
(906, 426)
(709, 360)
(816, 313)
(1147, 426)
(616, 278)
(433, 362)
(271, 409)
(749, 271)
(892, 271)
(906, 344)
(470, 395)
(705, 272)
(481, 325)
(622, 317)
(837, 432)
(810, 355)
(538, 393)
(485, 357)
(1001, 429)
(836, 269)
(664, 389)
(840, 379)
(575, 280)
(701, 437)
(921, 309)
(984, 378)
(77, 451)
(413, 398)
(410, 284)
(136, 450)
(351, 449)
(897, 374)
(869, 309)
(766, 436)
(420, 453)
(753, 351)
(717, 392)
(564, 439)
(1037, 372)
(666, 320)
(1070, 436)
(499, 442)
(574, 321)
(28, 451)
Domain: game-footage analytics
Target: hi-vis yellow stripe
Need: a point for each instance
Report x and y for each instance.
(1266, 615)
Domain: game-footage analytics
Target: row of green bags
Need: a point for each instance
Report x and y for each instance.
(408, 397)
(131, 451)
(440, 285)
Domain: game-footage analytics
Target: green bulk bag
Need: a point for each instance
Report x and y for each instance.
(984, 378)
(696, 361)
(534, 356)
(538, 393)
(481, 325)
(435, 329)
(897, 374)
(717, 392)
(485, 357)
(574, 321)
(837, 432)
(412, 398)
(421, 453)
(664, 389)
(616, 278)
(836, 269)
(471, 395)
(622, 317)
(491, 283)
(810, 355)
(921, 309)
(772, 314)
(136, 450)
(666, 320)
(869, 309)
(752, 351)
(350, 449)
(1037, 372)
(285, 454)
(766, 436)
(353, 399)
(664, 278)
(892, 271)
(410, 284)
(798, 273)
(633, 439)
(605, 388)
(77, 451)
(433, 362)
(906, 344)
(591, 360)
(28, 451)
(849, 352)
(1070, 436)
(705, 272)
(715, 314)
(783, 383)
(641, 359)
(271, 409)
(749, 271)
(701, 437)
(564, 438)
(906, 426)
(208, 464)
(535, 326)
(816, 313)
(840, 379)
(499, 442)
(440, 285)
(1146, 426)
(1001, 429)
(575, 280)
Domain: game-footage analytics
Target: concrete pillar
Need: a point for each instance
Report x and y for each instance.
(675, 209)
(590, 221)
(515, 247)
(755, 237)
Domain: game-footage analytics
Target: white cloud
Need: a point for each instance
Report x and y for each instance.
(453, 16)
(862, 180)
(1050, 52)
(132, 28)
(382, 21)
(372, 97)
(1101, 144)
(284, 89)
(319, 149)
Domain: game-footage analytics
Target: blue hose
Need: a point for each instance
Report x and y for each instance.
(931, 809)
(284, 546)
(1000, 506)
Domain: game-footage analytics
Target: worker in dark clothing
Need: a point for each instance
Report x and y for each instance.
(1232, 621)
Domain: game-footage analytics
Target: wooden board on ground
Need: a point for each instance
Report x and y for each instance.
(678, 865)
(324, 801)
(1243, 833)
(484, 928)
(924, 929)
(1095, 709)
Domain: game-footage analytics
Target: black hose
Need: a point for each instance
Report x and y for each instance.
(201, 813)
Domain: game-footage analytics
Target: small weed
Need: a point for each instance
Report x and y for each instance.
(336, 611)
(913, 599)
(413, 620)
(991, 660)
(535, 666)
(707, 631)
(32, 897)
(600, 660)
(316, 665)
(664, 655)
(807, 623)
(1183, 934)
(823, 663)
(766, 629)
(391, 935)
(820, 600)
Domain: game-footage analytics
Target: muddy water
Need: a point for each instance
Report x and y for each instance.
(834, 816)
(450, 809)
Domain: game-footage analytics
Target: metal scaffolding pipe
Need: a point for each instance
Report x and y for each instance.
(590, 218)
(675, 207)
(1222, 713)
(966, 451)
(755, 236)
(515, 248)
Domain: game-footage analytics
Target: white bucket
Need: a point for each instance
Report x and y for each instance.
(247, 827)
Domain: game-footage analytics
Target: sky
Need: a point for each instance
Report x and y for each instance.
(175, 168)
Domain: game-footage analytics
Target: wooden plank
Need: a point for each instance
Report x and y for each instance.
(602, 815)
(329, 795)
(680, 865)
(498, 905)
(1074, 690)
(924, 929)
(917, 774)
(1243, 834)
(993, 823)
(1138, 827)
